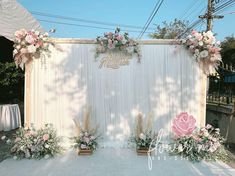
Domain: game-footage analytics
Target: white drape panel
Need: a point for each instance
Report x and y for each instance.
(166, 82)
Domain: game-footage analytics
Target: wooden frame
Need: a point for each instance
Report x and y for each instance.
(27, 109)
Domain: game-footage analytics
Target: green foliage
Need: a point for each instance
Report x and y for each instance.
(170, 30)
(11, 82)
(228, 50)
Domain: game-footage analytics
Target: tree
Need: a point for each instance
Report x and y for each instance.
(170, 30)
(228, 50)
(11, 83)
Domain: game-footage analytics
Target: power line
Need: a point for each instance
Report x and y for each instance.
(84, 20)
(151, 17)
(79, 25)
(197, 22)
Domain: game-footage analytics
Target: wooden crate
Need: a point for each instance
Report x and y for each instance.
(85, 152)
(142, 151)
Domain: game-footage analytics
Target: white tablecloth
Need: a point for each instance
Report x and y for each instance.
(9, 117)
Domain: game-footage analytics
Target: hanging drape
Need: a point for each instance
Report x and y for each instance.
(166, 82)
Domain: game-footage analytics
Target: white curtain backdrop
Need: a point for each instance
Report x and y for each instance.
(166, 82)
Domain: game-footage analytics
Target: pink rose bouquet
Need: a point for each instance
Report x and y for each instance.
(29, 45)
(205, 49)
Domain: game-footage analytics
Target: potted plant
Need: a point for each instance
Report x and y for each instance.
(86, 139)
(143, 138)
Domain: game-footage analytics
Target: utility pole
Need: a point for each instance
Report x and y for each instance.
(209, 15)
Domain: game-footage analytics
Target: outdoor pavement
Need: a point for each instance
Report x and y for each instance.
(110, 161)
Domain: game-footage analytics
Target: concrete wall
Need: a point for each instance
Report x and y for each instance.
(222, 116)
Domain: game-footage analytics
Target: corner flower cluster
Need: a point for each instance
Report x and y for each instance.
(35, 144)
(116, 41)
(205, 49)
(29, 45)
(203, 144)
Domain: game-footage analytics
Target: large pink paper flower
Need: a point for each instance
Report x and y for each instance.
(183, 124)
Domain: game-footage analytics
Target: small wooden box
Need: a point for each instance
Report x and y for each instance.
(142, 151)
(85, 152)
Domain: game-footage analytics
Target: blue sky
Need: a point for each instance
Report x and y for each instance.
(130, 12)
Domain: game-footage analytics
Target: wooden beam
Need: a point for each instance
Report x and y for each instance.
(27, 96)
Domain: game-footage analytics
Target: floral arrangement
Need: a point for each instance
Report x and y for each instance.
(196, 145)
(35, 144)
(116, 41)
(205, 49)
(143, 138)
(29, 45)
(86, 138)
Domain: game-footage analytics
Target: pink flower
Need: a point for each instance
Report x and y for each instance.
(17, 139)
(30, 39)
(183, 124)
(194, 32)
(86, 139)
(119, 37)
(45, 137)
(24, 50)
(20, 34)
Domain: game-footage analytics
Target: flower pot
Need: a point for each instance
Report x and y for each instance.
(85, 151)
(142, 151)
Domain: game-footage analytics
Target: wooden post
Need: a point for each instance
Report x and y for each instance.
(27, 96)
(203, 100)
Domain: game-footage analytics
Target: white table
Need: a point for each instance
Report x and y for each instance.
(9, 117)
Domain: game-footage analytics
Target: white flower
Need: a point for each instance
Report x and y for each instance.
(200, 43)
(199, 147)
(15, 51)
(15, 157)
(47, 156)
(31, 49)
(8, 141)
(142, 136)
(180, 148)
(37, 32)
(3, 137)
(196, 51)
(46, 146)
(204, 54)
(208, 126)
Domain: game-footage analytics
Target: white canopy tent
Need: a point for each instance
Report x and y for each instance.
(13, 16)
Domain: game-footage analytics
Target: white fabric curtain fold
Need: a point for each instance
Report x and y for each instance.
(166, 82)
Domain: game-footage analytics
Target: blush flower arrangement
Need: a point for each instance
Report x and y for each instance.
(197, 144)
(117, 42)
(143, 138)
(29, 45)
(86, 140)
(35, 144)
(205, 49)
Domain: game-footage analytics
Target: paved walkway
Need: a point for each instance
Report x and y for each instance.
(111, 162)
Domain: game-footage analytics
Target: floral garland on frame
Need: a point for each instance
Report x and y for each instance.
(194, 144)
(117, 42)
(205, 49)
(29, 45)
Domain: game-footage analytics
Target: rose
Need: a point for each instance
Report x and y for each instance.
(119, 37)
(31, 49)
(142, 136)
(46, 146)
(45, 137)
(30, 39)
(204, 54)
(86, 139)
(83, 146)
(183, 124)
(3, 137)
